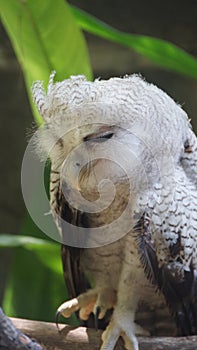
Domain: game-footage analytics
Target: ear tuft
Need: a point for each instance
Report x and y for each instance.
(38, 94)
(51, 80)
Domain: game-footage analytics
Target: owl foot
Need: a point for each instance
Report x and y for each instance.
(122, 326)
(93, 301)
(106, 300)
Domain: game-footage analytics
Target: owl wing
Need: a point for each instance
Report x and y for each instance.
(178, 286)
(74, 276)
(75, 279)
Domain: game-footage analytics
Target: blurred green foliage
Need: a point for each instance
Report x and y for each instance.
(161, 52)
(46, 36)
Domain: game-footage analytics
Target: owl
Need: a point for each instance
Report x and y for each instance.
(123, 193)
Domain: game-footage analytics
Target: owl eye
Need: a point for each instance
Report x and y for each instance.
(99, 137)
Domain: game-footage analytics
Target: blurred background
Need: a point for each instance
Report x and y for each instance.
(174, 21)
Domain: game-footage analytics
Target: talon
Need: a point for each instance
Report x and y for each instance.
(103, 312)
(106, 300)
(85, 311)
(122, 325)
(57, 315)
(96, 316)
(96, 301)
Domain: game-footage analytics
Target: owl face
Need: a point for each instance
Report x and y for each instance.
(123, 130)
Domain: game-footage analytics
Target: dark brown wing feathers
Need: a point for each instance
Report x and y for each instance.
(178, 286)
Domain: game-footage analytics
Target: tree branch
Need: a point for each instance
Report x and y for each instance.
(72, 338)
(12, 338)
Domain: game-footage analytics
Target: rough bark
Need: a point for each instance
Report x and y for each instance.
(12, 338)
(71, 338)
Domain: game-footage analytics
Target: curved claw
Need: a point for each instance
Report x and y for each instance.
(96, 315)
(57, 315)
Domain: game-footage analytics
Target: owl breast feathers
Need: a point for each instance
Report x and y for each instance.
(123, 193)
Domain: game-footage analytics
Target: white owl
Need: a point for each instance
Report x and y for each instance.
(124, 197)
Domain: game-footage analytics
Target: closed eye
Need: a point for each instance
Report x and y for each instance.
(99, 137)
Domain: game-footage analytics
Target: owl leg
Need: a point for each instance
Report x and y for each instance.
(122, 325)
(96, 301)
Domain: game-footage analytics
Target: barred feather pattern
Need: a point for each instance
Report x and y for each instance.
(160, 249)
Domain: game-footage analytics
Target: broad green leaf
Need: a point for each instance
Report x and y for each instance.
(45, 37)
(44, 249)
(35, 286)
(161, 52)
(11, 240)
(34, 290)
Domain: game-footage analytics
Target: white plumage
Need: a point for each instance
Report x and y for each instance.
(139, 231)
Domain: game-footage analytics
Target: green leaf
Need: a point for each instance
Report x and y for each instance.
(161, 52)
(45, 37)
(11, 240)
(34, 290)
(35, 286)
(44, 249)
